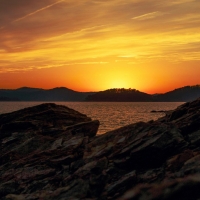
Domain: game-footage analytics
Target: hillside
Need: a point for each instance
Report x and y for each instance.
(2, 98)
(123, 95)
(184, 94)
(187, 93)
(36, 94)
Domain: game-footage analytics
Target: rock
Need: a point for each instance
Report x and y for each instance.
(38, 143)
(53, 152)
(121, 185)
(184, 189)
(158, 111)
(41, 117)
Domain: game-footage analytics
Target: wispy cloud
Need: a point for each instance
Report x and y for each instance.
(148, 15)
(174, 2)
(37, 11)
(48, 34)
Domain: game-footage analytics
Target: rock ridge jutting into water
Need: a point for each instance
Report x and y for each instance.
(51, 152)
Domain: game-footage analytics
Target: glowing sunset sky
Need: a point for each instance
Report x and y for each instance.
(91, 45)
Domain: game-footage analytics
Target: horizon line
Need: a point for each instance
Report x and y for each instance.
(64, 87)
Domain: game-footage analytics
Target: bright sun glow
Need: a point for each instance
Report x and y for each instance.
(119, 84)
(60, 43)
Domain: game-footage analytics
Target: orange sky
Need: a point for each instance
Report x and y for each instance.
(92, 45)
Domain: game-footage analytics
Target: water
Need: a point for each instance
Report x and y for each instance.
(111, 115)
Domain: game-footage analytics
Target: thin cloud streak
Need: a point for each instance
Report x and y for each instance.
(37, 11)
(65, 34)
(148, 15)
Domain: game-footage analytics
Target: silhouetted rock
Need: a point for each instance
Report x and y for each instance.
(52, 152)
(158, 111)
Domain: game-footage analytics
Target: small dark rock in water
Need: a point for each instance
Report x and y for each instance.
(158, 111)
(51, 152)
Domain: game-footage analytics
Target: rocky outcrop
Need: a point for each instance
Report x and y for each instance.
(53, 152)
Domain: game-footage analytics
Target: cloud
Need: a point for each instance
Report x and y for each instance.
(39, 10)
(148, 15)
(174, 2)
(51, 32)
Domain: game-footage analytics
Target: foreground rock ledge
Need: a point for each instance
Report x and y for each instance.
(52, 152)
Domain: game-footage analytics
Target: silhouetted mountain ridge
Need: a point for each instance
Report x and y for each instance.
(187, 93)
(120, 95)
(37, 94)
(8, 99)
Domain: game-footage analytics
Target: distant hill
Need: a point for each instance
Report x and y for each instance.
(187, 93)
(184, 94)
(8, 99)
(36, 94)
(123, 95)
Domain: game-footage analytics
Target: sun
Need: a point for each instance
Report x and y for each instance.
(119, 83)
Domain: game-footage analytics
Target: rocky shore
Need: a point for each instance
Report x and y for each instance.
(51, 152)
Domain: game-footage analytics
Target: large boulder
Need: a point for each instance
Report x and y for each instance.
(38, 144)
(53, 152)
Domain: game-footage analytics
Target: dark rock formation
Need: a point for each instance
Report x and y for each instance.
(50, 152)
(159, 111)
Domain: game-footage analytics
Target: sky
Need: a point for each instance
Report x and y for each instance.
(93, 45)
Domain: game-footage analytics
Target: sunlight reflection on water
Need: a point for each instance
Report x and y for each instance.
(111, 115)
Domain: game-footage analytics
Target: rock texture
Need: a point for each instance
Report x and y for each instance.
(51, 152)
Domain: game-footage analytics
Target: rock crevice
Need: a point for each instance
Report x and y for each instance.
(53, 152)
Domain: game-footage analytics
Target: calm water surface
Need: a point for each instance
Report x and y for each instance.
(111, 115)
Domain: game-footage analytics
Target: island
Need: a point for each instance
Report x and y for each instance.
(183, 94)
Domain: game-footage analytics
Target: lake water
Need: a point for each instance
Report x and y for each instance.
(111, 115)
